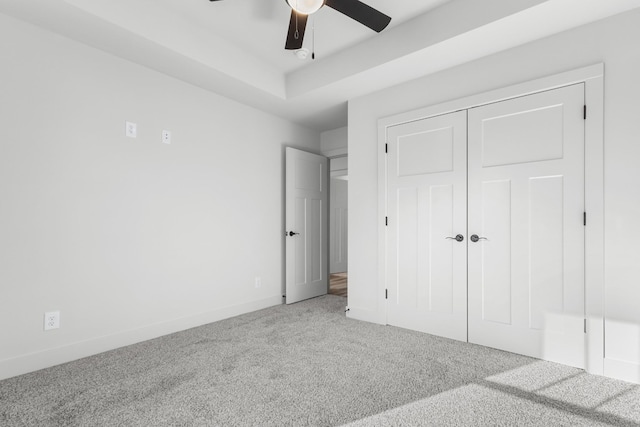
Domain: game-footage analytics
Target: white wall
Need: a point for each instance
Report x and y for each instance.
(612, 41)
(128, 238)
(334, 142)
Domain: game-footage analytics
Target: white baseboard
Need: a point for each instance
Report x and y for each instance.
(622, 370)
(67, 353)
(366, 315)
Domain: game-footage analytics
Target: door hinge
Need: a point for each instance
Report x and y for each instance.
(584, 219)
(585, 112)
(386, 221)
(386, 148)
(585, 326)
(386, 294)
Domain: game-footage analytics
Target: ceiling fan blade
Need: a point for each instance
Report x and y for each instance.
(361, 12)
(296, 26)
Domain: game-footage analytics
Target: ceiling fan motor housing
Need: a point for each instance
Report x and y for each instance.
(306, 7)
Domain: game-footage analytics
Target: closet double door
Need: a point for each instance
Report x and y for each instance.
(485, 235)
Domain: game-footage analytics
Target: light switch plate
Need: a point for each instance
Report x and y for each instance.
(166, 137)
(131, 130)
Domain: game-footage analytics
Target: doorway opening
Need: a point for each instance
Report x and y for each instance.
(338, 231)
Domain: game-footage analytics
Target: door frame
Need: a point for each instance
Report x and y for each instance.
(593, 79)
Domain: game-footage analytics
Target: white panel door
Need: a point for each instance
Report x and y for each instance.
(426, 203)
(306, 225)
(526, 204)
(338, 226)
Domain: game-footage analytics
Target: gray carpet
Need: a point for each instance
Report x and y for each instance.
(307, 364)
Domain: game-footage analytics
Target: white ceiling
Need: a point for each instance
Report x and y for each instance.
(236, 47)
(258, 27)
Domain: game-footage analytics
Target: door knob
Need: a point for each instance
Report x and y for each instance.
(474, 238)
(290, 233)
(458, 238)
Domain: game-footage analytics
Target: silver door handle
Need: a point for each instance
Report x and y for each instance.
(474, 238)
(458, 238)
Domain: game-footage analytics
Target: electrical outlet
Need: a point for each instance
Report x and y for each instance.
(51, 320)
(131, 130)
(166, 137)
(258, 282)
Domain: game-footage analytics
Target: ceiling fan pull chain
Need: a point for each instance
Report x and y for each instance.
(313, 38)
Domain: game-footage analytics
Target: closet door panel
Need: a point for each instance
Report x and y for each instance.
(526, 202)
(426, 202)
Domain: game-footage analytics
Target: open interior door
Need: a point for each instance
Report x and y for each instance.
(306, 226)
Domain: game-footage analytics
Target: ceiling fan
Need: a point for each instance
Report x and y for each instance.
(354, 9)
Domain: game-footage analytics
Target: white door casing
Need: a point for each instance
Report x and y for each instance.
(306, 225)
(526, 198)
(426, 196)
(592, 79)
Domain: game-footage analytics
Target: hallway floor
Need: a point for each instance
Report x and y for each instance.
(338, 284)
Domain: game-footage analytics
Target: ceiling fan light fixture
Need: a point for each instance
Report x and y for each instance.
(306, 7)
(302, 53)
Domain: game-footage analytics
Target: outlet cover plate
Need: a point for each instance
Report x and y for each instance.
(51, 320)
